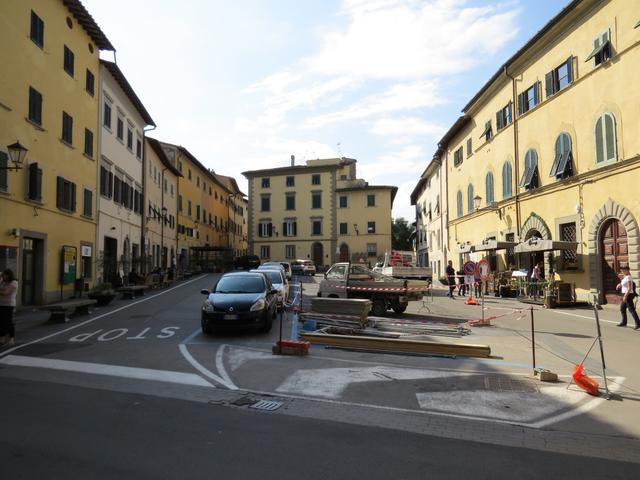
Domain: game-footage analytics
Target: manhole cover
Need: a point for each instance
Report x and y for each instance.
(268, 405)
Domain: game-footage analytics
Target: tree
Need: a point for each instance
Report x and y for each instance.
(401, 234)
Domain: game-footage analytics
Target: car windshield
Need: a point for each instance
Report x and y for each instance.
(275, 277)
(240, 284)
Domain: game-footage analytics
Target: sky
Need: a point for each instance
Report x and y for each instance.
(245, 84)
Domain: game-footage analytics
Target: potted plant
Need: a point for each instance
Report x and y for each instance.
(103, 293)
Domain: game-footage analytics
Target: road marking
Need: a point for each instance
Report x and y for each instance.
(220, 367)
(198, 366)
(108, 370)
(86, 322)
(582, 316)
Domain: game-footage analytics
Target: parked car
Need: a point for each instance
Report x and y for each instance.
(308, 267)
(297, 268)
(287, 269)
(239, 299)
(247, 262)
(274, 265)
(279, 282)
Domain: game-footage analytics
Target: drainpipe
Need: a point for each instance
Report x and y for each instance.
(442, 219)
(96, 246)
(144, 198)
(516, 170)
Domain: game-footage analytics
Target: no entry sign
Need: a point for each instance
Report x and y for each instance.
(484, 269)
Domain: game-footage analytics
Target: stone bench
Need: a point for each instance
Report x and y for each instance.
(132, 291)
(59, 310)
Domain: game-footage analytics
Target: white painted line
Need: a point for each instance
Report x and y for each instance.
(198, 366)
(582, 316)
(220, 367)
(109, 370)
(86, 322)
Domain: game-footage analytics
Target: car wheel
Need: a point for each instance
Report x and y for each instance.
(400, 307)
(206, 328)
(378, 308)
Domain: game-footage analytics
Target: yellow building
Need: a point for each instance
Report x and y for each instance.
(161, 215)
(238, 205)
(547, 152)
(319, 211)
(49, 104)
(203, 213)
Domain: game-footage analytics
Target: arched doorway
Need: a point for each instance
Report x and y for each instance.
(317, 254)
(614, 246)
(344, 252)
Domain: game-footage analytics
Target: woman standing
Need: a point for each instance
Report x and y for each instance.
(8, 291)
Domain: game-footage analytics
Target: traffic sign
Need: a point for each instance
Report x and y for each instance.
(469, 268)
(484, 269)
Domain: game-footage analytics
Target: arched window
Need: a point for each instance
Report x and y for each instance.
(530, 176)
(459, 203)
(606, 138)
(563, 161)
(470, 198)
(489, 187)
(507, 180)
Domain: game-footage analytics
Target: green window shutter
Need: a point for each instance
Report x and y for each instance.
(284, 229)
(59, 192)
(521, 109)
(599, 143)
(499, 120)
(548, 82)
(4, 162)
(73, 197)
(570, 68)
(537, 89)
(610, 137)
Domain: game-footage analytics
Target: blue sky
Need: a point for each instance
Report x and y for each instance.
(245, 84)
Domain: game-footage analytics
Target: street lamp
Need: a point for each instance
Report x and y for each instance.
(476, 202)
(16, 154)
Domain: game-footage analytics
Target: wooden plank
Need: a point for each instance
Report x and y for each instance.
(398, 345)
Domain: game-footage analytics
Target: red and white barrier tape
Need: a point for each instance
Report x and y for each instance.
(384, 289)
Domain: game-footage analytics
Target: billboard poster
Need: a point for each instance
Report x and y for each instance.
(68, 264)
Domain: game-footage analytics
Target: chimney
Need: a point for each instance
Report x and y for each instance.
(293, 160)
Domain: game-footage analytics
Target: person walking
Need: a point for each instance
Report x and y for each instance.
(8, 292)
(627, 288)
(536, 276)
(462, 287)
(451, 278)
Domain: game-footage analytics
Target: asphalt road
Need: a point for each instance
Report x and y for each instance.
(64, 432)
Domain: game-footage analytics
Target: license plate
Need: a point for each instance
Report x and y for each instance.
(231, 317)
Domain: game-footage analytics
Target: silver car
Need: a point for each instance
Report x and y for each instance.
(279, 282)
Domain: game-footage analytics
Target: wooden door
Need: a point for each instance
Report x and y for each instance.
(615, 255)
(317, 254)
(344, 252)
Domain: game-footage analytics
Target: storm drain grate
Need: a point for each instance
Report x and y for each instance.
(267, 405)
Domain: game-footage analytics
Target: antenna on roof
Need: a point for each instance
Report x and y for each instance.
(339, 149)
(293, 160)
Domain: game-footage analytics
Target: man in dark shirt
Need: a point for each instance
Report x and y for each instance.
(451, 278)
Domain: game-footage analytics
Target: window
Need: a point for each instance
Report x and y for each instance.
(189, 174)
(343, 201)
(371, 227)
(316, 227)
(265, 251)
(266, 182)
(504, 117)
(106, 115)
(372, 249)
(469, 198)
(290, 228)
(138, 149)
(315, 179)
(344, 228)
(35, 106)
(507, 180)
(606, 138)
(469, 147)
(569, 257)
(34, 187)
(90, 83)
(371, 200)
(457, 157)
(459, 204)
(68, 60)
(559, 77)
(87, 203)
(106, 182)
(197, 213)
(67, 128)
(316, 200)
(65, 195)
(37, 29)
(189, 208)
(179, 203)
(529, 98)
(290, 201)
(4, 161)
(290, 251)
(562, 163)
(130, 139)
(88, 142)
(120, 128)
(265, 203)
(487, 133)
(291, 181)
(265, 229)
(530, 176)
(489, 188)
(601, 49)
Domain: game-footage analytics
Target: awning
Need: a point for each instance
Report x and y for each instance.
(465, 248)
(489, 245)
(534, 245)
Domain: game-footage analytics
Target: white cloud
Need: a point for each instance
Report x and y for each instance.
(407, 127)
(409, 160)
(275, 83)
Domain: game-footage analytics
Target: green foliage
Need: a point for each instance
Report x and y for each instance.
(401, 234)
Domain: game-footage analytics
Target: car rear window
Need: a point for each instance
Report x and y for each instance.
(240, 284)
(275, 277)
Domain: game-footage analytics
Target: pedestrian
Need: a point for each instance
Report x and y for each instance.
(462, 287)
(8, 292)
(536, 276)
(627, 288)
(451, 278)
